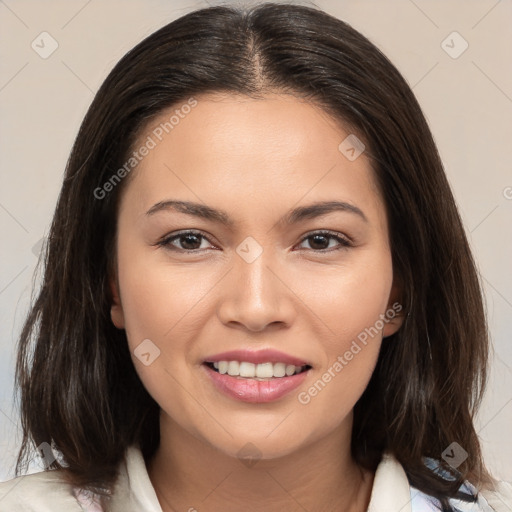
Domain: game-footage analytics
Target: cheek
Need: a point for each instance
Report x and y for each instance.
(351, 307)
(348, 300)
(158, 299)
(351, 350)
(161, 305)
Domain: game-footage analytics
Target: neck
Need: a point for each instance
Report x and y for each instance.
(190, 474)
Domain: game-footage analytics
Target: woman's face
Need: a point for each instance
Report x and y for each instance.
(253, 276)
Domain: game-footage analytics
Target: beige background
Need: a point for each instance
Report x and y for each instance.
(467, 101)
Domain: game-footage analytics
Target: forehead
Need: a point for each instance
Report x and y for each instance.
(229, 149)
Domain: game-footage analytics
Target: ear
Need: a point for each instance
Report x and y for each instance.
(116, 309)
(395, 314)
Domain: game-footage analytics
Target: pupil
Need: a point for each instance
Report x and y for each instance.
(321, 237)
(188, 237)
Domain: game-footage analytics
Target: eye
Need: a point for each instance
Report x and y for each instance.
(322, 239)
(188, 240)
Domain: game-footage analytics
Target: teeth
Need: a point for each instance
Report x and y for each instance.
(290, 369)
(247, 370)
(259, 371)
(233, 368)
(265, 370)
(279, 370)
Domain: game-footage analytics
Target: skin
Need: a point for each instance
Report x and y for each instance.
(256, 159)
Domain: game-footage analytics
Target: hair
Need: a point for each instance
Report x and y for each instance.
(79, 389)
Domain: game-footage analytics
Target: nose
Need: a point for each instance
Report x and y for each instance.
(256, 296)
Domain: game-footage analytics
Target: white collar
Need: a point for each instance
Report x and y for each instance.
(391, 490)
(134, 490)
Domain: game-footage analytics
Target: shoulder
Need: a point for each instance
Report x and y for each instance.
(500, 498)
(49, 491)
(46, 491)
(393, 491)
(496, 500)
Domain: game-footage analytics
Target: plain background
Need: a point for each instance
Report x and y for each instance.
(467, 101)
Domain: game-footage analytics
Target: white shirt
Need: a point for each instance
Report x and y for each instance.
(46, 491)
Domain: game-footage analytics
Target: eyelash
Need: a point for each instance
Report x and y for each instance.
(344, 242)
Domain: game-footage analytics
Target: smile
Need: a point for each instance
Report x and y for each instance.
(251, 388)
(263, 371)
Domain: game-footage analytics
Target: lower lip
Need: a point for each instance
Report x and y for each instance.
(251, 390)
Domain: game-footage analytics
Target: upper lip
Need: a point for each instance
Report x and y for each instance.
(257, 356)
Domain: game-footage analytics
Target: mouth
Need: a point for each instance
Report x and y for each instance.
(255, 383)
(260, 372)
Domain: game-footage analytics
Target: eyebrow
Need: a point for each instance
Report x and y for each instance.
(292, 217)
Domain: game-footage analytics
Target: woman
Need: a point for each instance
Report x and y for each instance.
(195, 347)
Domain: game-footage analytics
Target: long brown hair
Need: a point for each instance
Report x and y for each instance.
(79, 389)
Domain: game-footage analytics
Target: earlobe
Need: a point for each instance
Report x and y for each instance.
(116, 309)
(395, 313)
(394, 320)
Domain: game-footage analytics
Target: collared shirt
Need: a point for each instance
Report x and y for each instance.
(46, 491)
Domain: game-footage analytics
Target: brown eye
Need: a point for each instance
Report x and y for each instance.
(187, 241)
(319, 242)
